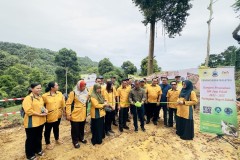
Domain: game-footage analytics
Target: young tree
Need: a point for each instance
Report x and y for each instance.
(172, 13)
(128, 68)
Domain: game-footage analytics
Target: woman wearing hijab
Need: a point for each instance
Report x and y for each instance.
(97, 115)
(54, 103)
(186, 100)
(76, 111)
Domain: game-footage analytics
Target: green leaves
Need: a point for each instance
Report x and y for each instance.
(172, 13)
(105, 66)
(67, 58)
(230, 57)
(7, 83)
(144, 66)
(128, 68)
(67, 62)
(236, 6)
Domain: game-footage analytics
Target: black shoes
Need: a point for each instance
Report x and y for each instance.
(143, 129)
(126, 127)
(77, 145)
(121, 129)
(115, 124)
(136, 130)
(107, 134)
(148, 121)
(111, 131)
(84, 141)
(41, 153)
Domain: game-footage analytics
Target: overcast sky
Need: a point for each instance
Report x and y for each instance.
(113, 29)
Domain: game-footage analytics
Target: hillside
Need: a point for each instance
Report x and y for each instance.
(21, 65)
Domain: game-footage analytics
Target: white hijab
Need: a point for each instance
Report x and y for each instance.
(81, 95)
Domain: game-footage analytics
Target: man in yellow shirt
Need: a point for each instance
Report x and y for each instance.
(172, 96)
(123, 93)
(99, 81)
(154, 93)
(115, 86)
(179, 82)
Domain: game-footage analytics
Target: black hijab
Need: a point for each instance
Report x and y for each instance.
(186, 92)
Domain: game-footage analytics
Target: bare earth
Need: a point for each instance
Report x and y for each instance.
(157, 143)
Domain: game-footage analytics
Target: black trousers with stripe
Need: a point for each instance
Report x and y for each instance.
(33, 142)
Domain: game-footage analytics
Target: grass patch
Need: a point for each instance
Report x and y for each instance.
(10, 109)
(10, 120)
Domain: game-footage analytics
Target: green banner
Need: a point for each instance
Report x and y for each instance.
(218, 112)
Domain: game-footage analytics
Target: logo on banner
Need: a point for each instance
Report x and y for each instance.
(228, 111)
(215, 73)
(218, 110)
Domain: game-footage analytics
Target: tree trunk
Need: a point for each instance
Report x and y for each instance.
(209, 33)
(235, 34)
(66, 80)
(151, 48)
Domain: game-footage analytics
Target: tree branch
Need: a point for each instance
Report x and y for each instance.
(235, 34)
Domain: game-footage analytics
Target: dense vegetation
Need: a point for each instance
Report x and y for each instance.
(21, 65)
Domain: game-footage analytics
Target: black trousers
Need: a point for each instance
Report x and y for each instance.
(77, 131)
(97, 127)
(123, 115)
(144, 108)
(48, 129)
(138, 112)
(152, 111)
(109, 118)
(171, 114)
(165, 110)
(33, 142)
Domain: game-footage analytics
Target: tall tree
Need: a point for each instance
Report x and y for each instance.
(105, 66)
(235, 34)
(144, 63)
(129, 68)
(210, 8)
(67, 60)
(172, 14)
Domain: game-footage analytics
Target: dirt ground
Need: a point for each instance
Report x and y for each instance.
(157, 143)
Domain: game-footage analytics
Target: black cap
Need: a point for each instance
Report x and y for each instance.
(177, 76)
(141, 80)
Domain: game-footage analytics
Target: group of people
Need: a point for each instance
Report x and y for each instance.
(109, 103)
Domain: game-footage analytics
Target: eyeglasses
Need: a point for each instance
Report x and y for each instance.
(173, 84)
